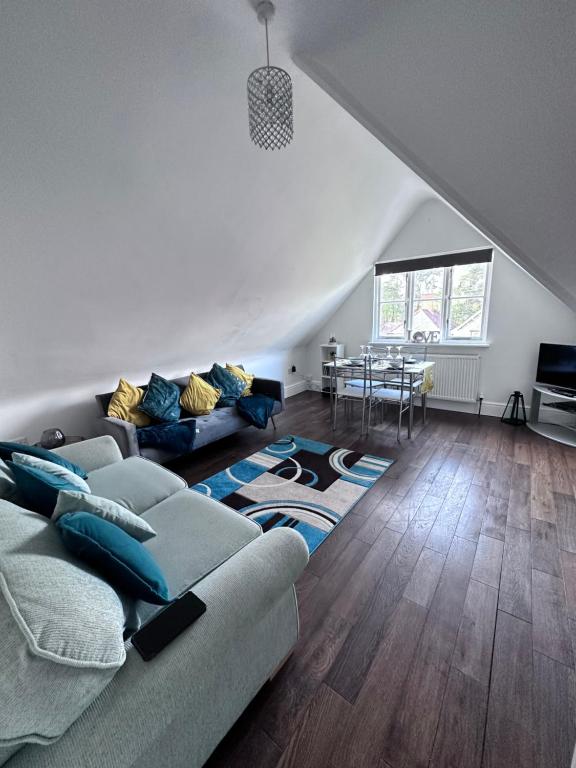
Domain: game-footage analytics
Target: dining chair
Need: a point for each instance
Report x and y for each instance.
(366, 381)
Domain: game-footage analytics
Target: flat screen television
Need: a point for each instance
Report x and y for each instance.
(557, 366)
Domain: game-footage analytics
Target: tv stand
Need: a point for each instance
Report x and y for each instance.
(558, 432)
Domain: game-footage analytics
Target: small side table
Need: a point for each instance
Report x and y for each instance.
(68, 441)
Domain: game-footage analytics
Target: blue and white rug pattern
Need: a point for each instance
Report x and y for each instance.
(298, 483)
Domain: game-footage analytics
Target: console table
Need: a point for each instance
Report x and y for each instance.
(562, 402)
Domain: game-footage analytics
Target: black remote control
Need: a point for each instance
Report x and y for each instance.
(167, 624)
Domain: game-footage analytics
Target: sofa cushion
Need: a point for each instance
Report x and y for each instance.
(8, 487)
(39, 488)
(230, 386)
(240, 373)
(118, 557)
(195, 535)
(52, 468)
(7, 449)
(61, 627)
(76, 501)
(199, 397)
(124, 404)
(161, 400)
(136, 483)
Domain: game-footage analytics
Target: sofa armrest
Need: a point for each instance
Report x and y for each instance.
(92, 454)
(269, 387)
(174, 709)
(123, 432)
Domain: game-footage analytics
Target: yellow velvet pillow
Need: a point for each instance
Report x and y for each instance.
(124, 404)
(247, 378)
(199, 397)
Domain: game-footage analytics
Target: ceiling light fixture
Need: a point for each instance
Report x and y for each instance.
(270, 114)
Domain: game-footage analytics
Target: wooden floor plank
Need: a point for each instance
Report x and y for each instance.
(354, 595)
(544, 547)
(330, 586)
(508, 740)
(494, 522)
(311, 745)
(460, 734)
(360, 741)
(554, 713)
(473, 652)
(285, 701)
(519, 509)
(568, 560)
(443, 530)
(520, 480)
(488, 561)
(516, 580)
(542, 503)
(551, 634)
(470, 522)
(424, 580)
(566, 518)
(411, 736)
(351, 667)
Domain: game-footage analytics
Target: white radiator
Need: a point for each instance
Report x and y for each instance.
(456, 377)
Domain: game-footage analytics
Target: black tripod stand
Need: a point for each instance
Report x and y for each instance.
(514, 417)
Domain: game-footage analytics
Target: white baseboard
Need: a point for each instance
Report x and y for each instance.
(296, 388)
(489, 408)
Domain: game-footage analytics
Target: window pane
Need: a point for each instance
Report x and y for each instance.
(429, 283)
(392, 320)
(465, 318)
(427, 316)
(393, 287)
(469, 280)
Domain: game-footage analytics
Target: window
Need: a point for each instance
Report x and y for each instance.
(441, 303)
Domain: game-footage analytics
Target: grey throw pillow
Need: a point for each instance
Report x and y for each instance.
(61, 627)
(76, 501)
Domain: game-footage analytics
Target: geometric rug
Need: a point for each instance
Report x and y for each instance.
(297, 483)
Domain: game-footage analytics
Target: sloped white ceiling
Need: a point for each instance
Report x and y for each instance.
(140, 228)
(478, 97)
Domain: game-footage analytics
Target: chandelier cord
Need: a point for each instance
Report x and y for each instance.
(267, 46)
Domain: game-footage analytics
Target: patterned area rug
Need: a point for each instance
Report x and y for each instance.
(299, 483)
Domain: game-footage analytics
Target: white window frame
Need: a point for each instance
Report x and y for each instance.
(445, 300)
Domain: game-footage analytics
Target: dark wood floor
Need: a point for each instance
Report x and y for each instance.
(438, 620)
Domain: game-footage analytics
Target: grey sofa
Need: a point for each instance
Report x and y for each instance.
(220, 423)
(174, 710)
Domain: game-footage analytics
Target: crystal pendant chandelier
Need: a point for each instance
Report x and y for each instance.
(269, 97)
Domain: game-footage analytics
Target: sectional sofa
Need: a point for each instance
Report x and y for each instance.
(173, 710)
(218, 424)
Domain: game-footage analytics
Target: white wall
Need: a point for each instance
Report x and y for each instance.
(522, 312)
(141, 230)
(478, 97)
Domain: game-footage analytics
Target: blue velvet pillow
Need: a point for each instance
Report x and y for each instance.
(256, 409)
(7, 449)
(231, 386)
(39, 489)
(124, 562)
(161, 400)
(177, 438)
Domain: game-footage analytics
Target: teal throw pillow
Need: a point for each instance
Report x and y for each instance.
(39, 489)
(7, 449)
(161, 400)
(231, 386)
(53, 469)
(124, 562)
